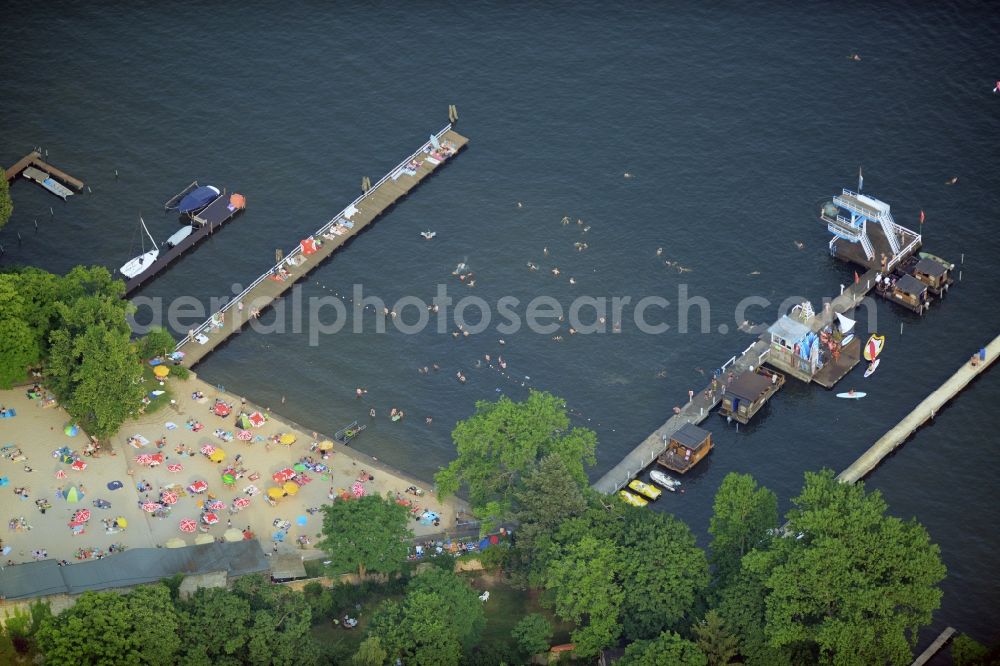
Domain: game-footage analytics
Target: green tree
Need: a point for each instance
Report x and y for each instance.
(503, 441)
(533, 633)
(158, 342)
(743, 518)
(663, 572)
(140, 627)
(6, 205)
(742, 605)
(966, 651)
(279, 624)
(108, 380)
(715, 640)
(20, 627)
(214, 628)
(19, 345)
(370, 653)
(667, 648)
(365, 534)
(585, 584)
(440, 618)
(855, 583)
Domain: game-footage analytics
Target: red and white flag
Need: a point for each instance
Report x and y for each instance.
(921, 217)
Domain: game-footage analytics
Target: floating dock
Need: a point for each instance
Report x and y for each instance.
(921, 414)
(204, 224)
(317, 247)
(32, 166)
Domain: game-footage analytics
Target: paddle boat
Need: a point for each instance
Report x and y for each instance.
(664, 480)
(644, 489)
(629, 498)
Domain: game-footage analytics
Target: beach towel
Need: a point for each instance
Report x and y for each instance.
(114, 485)
(8, 414)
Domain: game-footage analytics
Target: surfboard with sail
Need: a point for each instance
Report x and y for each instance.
(874, 347)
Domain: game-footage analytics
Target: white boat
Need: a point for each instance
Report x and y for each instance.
(178, 236)
(137, 265)
(428, 234)
(665, 480)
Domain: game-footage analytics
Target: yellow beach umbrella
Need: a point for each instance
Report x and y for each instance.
(291, 488)
(287, 439)
(122, 523)
(217, 455)
(161, 371)
(325, 445)
(275, 492)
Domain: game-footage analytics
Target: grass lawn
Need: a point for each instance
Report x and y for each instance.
(150, 383)
(346, 641)
(505, 608)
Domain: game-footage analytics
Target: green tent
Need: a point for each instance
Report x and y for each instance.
(244, 422)
(73, 494)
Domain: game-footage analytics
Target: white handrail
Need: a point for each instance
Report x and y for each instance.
(298, 248)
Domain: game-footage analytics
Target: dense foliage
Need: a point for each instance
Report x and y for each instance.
(365, 534)
(75, 325)
(6, 205)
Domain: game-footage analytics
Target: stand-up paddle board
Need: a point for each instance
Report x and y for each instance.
(855, 395)
(872, 367)
(848, 339)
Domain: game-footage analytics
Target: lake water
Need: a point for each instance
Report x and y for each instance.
(735, 126)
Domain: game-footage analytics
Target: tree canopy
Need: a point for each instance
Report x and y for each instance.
(743, 518)
(667, 648)
(19, 345)
(503, 441)
(365, 534)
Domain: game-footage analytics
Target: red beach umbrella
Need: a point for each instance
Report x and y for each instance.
(208, 449)
(216, 505)
(358, 489)
(188, 525)
(79, 465)
(150, 507)
(61, 474)
(143, 459)
(241, 503)
(257, 419)
(210, 518)
(175, 467)
(244, 435)
(83, 515)
(168, 497)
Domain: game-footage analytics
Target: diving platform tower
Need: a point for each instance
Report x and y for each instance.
(864, 231)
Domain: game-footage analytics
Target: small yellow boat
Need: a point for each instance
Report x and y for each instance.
(644, 489)
(629, 498)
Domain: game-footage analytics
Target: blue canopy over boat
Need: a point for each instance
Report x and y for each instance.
(198, 199)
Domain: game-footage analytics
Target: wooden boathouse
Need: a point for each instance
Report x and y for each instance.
(933, 273)
(747, 394)
(907, 291)
(686, 448)
(314, 248)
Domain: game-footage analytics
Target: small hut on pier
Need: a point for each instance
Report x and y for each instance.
(749, 392)
(686, 448)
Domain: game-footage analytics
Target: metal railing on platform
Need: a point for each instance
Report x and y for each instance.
(298, 248)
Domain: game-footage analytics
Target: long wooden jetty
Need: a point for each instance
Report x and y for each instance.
(934, 647)
(34, 158)
(921, 414)
(698, 409)
(349, 222)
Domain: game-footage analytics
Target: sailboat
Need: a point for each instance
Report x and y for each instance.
(137, 265)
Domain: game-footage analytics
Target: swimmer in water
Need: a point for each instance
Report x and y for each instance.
(799, 244)
(855, 57)
(502, 341)
(627, 174)
(951, 181)
(565, 220)
(572, 280)
(520, 205)
(545, 251)
(436, 367)
(659, 251)
(555, 271)
(371, 412)
(532, 267)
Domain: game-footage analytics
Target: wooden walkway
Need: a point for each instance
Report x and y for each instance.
(920, 415)
(265, 290)
(34, 158)
(934, 647)
(699, 408)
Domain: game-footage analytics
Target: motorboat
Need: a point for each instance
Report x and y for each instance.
(198, 198)
(664, 480)
(178, 236)
(644, 489)
(138, 265)
(629, 498)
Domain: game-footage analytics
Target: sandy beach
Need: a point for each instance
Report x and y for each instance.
(39, 433)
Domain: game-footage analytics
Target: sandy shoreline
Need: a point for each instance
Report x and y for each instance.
(38, 432)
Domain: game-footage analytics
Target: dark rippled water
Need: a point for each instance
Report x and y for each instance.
(736, 125)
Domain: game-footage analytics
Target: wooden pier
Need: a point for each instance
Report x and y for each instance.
(921, 414)
(270, 286)
(34, 158)
(698, 409)
(934, 647)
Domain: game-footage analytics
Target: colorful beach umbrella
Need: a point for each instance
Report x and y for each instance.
(73, 494)
(78, 465)
(241, 503)
(299, 467)
(216, 505)
(161, 371)
(198, 486)
(210, 518)
(257, 419)
(228, 479)
(151, 507)
(291, 488)
(121, 522)
(217, 455)
(287, 439)
(243, 421)
(244, 435)
(325, 445)
(283, 475)
(61, 474)
(275, 492)
(358, 489)
(188, 525)
(168, 497)
(71, 429)
(156, 459)
(83, 515)
(143, 459)
(207, 449)
(301, 521)
(175, 467)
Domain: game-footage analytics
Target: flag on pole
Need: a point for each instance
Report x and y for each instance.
(921, 217)
(857, 278)
(861, 180)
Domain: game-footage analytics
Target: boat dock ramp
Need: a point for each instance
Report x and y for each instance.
(46, 175)
(225, 207)
(320, 245)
